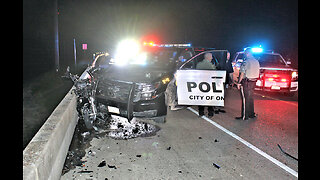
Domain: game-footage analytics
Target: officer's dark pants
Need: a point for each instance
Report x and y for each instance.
(246, 90)
(201, 109)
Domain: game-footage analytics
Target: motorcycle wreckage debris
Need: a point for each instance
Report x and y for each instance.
(95, 122)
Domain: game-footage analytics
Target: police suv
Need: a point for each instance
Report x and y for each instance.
(276, 74)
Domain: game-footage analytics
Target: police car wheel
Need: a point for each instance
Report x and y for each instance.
(162, 107)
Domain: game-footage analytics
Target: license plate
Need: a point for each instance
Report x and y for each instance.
(113, 110)
(275, 87)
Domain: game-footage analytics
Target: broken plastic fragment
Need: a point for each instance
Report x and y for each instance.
(92, 153)
(110, 166)
(155, 144)
(216, 165)
(103, 163)
(85, 171)
(85, 134)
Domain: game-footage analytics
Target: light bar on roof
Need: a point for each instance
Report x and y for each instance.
(257, 49)
(174, 45)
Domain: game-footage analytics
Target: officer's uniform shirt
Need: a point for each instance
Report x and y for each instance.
(251, 68)
(205, 65)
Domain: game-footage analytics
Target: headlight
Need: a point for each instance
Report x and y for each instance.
(294, 75)
(147, 91)
(126, 50)
(165, 80)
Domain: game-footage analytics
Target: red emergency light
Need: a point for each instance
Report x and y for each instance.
(151, 43)
(275, 77)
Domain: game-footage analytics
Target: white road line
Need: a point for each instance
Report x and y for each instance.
(283, 166)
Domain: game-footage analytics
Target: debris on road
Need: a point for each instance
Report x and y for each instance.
(102, 163)
(169, 148)
(287, 153)
(216, 165)
(110, 166)
(123, 129)
(92, 153)
(155, 144)
(85, 171)
(115, 127)
(85, 134)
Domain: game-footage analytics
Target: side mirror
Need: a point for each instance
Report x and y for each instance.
(66, 74)
(289, 62)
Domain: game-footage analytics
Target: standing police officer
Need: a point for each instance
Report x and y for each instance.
(249, 73)
(206, 64)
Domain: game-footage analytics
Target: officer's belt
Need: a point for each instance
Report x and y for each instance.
(250, 79)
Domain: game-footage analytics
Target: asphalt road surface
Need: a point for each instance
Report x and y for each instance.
(189, 147)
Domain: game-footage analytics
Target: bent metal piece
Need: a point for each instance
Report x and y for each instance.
(130, 102)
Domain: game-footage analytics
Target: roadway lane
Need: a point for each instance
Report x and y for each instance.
(277, 123)
(187, 146)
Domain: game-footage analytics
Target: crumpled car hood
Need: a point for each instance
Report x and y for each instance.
(137, 75)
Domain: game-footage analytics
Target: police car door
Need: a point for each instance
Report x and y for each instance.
(201, 87)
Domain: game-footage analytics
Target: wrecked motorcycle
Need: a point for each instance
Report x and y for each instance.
(85, 89)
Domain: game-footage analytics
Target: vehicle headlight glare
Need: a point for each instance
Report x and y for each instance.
(165, 80)
(126, 50)
(294, 75)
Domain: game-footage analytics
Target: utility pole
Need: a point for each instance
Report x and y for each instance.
(75, 54)
(56, 36)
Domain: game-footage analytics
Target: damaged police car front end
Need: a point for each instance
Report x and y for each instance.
(133, 92)
(133, 85)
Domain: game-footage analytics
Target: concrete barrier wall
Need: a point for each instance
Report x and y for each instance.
(44, 156)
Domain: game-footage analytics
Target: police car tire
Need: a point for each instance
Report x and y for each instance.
(162, 107)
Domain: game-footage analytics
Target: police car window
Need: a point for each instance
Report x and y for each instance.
(192, 64)
(269, 59)
(189, 65)
(161, 58)
(186, 55)
(240, 56)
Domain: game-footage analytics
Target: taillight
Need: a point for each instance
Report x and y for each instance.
(270, 79)
(277, 77)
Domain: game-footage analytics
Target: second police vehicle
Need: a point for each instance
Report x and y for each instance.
(276, 74)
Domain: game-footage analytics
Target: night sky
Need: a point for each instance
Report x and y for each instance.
(223, 24)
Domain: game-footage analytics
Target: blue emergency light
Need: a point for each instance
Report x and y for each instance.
(256, 49)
